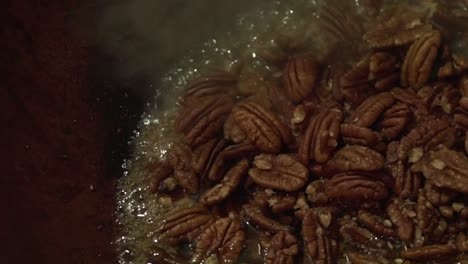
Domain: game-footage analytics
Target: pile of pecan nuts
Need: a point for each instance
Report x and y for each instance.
(368, 163)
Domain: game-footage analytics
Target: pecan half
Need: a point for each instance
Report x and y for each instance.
(452, 65)
(396, 29)
(357, 135)
(232, 131)
(205, 154)
(446, 168)
(258, 217)
(400, 214)
(354, 84)
(214, 85)
(354, 234)
(261, 127)
(319, 246)
(407, 183)
(376, 224)
(438, 196)
(299, 77)
(316, 192)
(225, 238)
(394, 121)
(283, 249)
(432, 252)
(384, 70)
(184, 224)
(354, 186)
(350, 158)
(180, 158)
(427, 215)
(321, 137)
(371, 109)
(228, 185)
(418, 61)
(427, 135)
(358, 258)
(202, 120)
(282, 172)
(277, 202)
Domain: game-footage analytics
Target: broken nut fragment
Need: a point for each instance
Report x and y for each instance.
(283, 250)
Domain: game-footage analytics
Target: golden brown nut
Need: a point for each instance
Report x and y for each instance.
(371, 109)
(355, 187)
(283, 250)
(214, 85)
(432, 252)
(400, 214)
(255, 214)
(180, 158)
(320, 247)
(299, 77)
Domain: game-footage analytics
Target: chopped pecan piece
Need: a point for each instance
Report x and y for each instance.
(258, 217)
(352, 233)
(418, 62)
(228, 185)
(321, 137)
(396, 29)
(277, 202)
(371, 109)
(384, 70)
(400, 215)
(319, 246)
(225, 238)
(299, 77)
(282, 172)
(452, 65)
(427, 135)
(184, 224)
(316, 192)
(261, 127)
(180, 158)
(427, 215)
(438, 196)
(432, 252)
(202, 120)
(354, 186)
(215, 85)
(358, 258)
(283, 249)
(357, 135)
(351, 158)
(394, 121)
(376, 224)
(407, 183)
(446, 168)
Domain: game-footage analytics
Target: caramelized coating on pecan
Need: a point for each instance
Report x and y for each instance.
(282, 172)
(400, 214)
(205, 154)
(180, 158)
(262, 127)
(228, 185)
(225, 238)
(446, 168)
(321, 137)
(319, 246)
(427, 215)
(394, 120)
(202, 120)
(283, 250)
(299, 77)
(376, 224)
(432, 252)
(255, 214)
(357, 135)
(355, 186)
(419, 60)
(232, 131)
(371, 109)
(184, 224)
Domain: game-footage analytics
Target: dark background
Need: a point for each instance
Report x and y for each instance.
(69, 103)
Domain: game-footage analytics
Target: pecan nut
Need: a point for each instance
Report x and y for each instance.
(205, 154)
(419, 60)
(358, 258)
(438, 196)
(283, 249)
(202, 120)
(432, 252)
(232, 131)
(228, 185)
(278, 203)
(461, 242)
(354, 234)
(225, 238)
(184, 224)
(376, 224)
(180, 158)
(299, 77)
(384, 70)
(351, 158)
(214, 85)
(316, 192)
(261, 127)
(427, 215)
(400, 214)
(357, 135)
(354, 84)
(319, 246)
(396, 29)
(282, 172)
(394, 120)
(353, 186)
(159, 171)
(371, 109)
(255, 214)
(427, 135)
(321, 137)
(446, 168)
